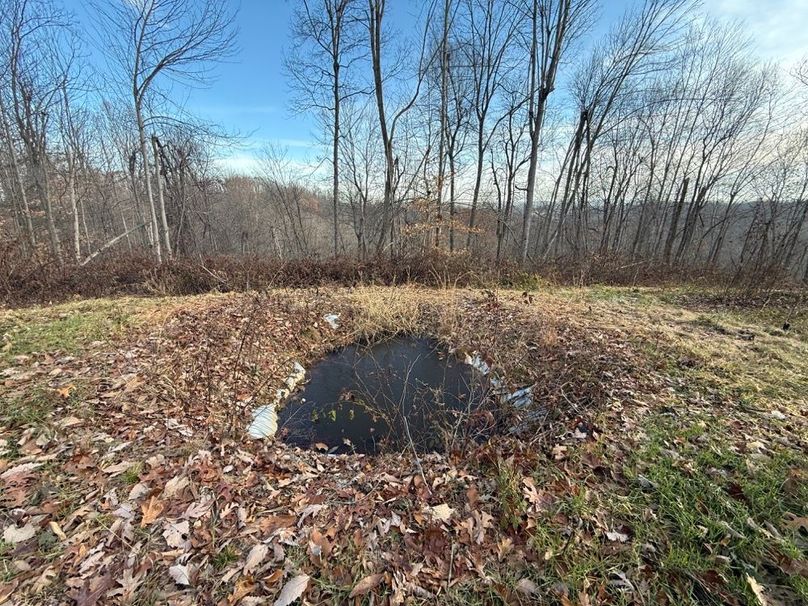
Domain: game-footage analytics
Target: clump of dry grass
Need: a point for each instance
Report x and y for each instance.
(404, 310)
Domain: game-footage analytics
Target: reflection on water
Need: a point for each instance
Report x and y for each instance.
(382, 397)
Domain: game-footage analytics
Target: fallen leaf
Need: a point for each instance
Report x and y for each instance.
(319, 547)
(293, 589)
(197, 510)
(151, 511)
(307, 511)
(69, 422)
(366, 584)
(176, 535)
(797, 523)
(19, 471)
(6, 590)
(45, 579)
(129, 584)
(527, 587)
(559, 452)
(114, 470)
(274, 577)
(615, 536)
(270, 524)
(758, 590)
(255, 557)
(92, 590)
(180, 574)
(243, 588)
(57, 530)
(15, 535)
(139, 490)
(175, 486)
(441, 512)
(583, 599)
(64, 392)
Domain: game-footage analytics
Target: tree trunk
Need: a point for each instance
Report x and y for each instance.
(158, 172)
(477, 183)
(539, 92)
(376, 13)
(74, 208)
(26, 210)
(144, 152)
(335, 147)
(444, 117)
(677, 211)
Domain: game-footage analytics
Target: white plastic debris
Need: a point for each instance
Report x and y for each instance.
(265, 422)
(265, 418)
(478, 363)
(298, 374)
(520, 398)
(332, 320)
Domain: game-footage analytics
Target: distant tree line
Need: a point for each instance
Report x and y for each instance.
(500, 129)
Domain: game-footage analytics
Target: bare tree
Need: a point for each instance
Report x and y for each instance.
(73, 134)
(552, 24)
(39, 63)
(632, 50)
(801, 72)
(490, 30)
(374, 20)
(174, 39)
(360, 156)
(326, 44)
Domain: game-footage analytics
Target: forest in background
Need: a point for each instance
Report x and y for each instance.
(489, 135)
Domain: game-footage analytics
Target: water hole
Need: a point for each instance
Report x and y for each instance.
(398, 394)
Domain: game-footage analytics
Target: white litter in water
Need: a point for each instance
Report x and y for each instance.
(298, 374)
(332, 320)
(265, 422)
(265, 418)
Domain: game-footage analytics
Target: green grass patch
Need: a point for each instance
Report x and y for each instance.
(708, 511)
(131, 476)
(70, 327)
(66, 333)
(30, 409)
(511, 502)
(35, 406)
(224, 557)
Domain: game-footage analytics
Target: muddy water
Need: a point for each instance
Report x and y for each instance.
(380, 398)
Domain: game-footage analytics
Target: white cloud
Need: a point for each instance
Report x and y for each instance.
(301, 143)
(779, 28)
(249, 163)
(242, 164)
(245, 159)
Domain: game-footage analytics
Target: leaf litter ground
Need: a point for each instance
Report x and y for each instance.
(664, 461)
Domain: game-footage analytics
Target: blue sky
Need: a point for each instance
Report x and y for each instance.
(249, 95)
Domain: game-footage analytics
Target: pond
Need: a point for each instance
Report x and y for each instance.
(398, 394)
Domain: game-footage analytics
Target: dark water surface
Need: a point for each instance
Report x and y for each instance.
(375, 398)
